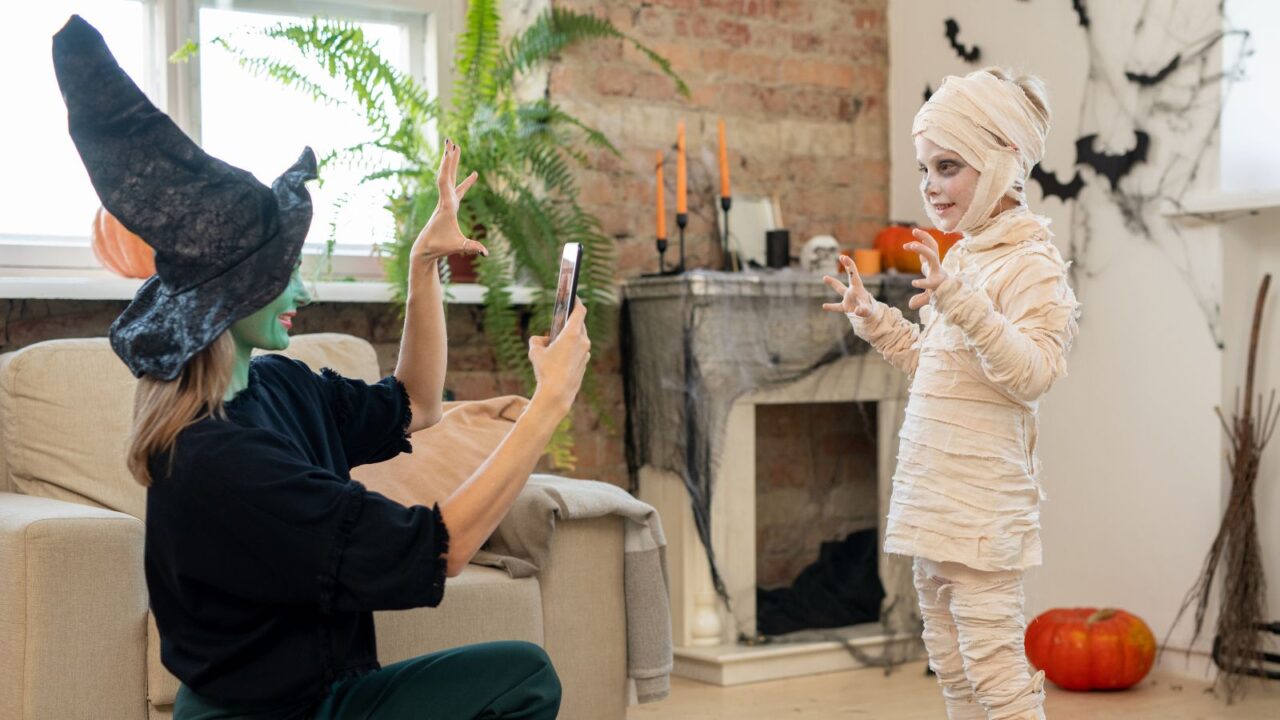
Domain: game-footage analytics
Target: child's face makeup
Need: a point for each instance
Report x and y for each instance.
(268, 328)
(947, 183)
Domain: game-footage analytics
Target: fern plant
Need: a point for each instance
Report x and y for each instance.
(524, 205)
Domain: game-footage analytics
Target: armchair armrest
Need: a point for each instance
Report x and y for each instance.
(584, 617)
(73, 611)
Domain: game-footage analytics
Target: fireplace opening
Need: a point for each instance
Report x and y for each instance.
(816, 516)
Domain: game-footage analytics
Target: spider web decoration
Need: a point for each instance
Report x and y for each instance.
(1166, 123)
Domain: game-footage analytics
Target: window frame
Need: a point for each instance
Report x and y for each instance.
(433, 28)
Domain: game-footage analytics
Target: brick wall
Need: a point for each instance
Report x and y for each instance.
(815, 482)
(801, 85)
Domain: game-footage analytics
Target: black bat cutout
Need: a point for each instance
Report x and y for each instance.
(928, 92)
(1081, 12)
(1149, 80)
(1112, 167)
(967, 54)
(1051, 186)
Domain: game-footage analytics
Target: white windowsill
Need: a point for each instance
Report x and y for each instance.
(109, 287)
(1208, 205)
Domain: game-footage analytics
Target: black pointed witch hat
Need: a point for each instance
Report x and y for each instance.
(225, 244)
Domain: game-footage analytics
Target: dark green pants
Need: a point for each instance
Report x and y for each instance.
(508, 680)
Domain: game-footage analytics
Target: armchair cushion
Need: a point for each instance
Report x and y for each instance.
(446, 454)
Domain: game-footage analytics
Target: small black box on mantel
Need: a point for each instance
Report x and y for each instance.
(777, 248)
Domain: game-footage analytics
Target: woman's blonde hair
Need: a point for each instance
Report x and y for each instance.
(163, 408)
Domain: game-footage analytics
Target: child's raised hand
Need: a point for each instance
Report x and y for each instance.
(927, 248)
(855, 298)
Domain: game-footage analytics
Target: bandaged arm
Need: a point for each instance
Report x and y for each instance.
(1023, 349)
(891, 334)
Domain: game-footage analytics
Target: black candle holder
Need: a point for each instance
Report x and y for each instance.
(682, 221)
(662, 252)
(727, 263)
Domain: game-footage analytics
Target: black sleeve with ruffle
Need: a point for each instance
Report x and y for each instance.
(373, 419)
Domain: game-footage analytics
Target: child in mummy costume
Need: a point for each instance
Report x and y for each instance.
(997, 319)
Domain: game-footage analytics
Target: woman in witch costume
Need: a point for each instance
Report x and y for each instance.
(264, 559)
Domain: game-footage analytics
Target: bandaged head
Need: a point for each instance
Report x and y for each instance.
(992, 124)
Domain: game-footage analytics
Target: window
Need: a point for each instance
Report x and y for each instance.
(44, 190)
(251, 122)
(1250, 151)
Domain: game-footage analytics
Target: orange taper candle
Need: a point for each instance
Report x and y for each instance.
(682, 200)
(724, 164)
(662, 202)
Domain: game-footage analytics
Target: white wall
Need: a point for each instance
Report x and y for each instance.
(1251, 248)
(1130, 446)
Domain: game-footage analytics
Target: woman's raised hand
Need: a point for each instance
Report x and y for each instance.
(441, 236)
(927, 248)
(855, 298)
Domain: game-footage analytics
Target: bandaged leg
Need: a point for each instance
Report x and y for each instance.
(944, 648)
(986, 608)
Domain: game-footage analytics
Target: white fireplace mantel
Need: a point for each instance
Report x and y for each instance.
(704, 630)
(796, 369)
(1213, 207)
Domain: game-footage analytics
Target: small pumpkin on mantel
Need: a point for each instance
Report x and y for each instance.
(1091, 649)
(890, 242)
(119, 250)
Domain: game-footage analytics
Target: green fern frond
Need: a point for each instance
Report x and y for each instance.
(189, 49)
(283, 73)
(341, 50)
(547, 165)
(501, 320)
(526, 200)
(411, 213)
(543, 117)
(323, 270)
(397, 173)
(478, 56)
(540, 309)
(560, 28)
(560, 449)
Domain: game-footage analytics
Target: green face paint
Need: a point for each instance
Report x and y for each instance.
(268, 329)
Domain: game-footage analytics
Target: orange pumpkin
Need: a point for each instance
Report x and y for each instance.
(891, 240)
(119, 250)
(945, 240)
(1088, 649)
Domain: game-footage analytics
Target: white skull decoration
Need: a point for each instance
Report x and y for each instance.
(819, 254)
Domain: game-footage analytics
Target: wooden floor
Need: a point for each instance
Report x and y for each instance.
(910, 695)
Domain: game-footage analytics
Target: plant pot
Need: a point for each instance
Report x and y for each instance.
(462, 268)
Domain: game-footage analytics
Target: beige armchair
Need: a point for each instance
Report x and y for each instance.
(76, 636)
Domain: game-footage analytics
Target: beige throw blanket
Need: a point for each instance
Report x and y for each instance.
(523, 540)
(445, 455)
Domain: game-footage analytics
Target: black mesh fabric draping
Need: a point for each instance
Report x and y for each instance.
(693, 344)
